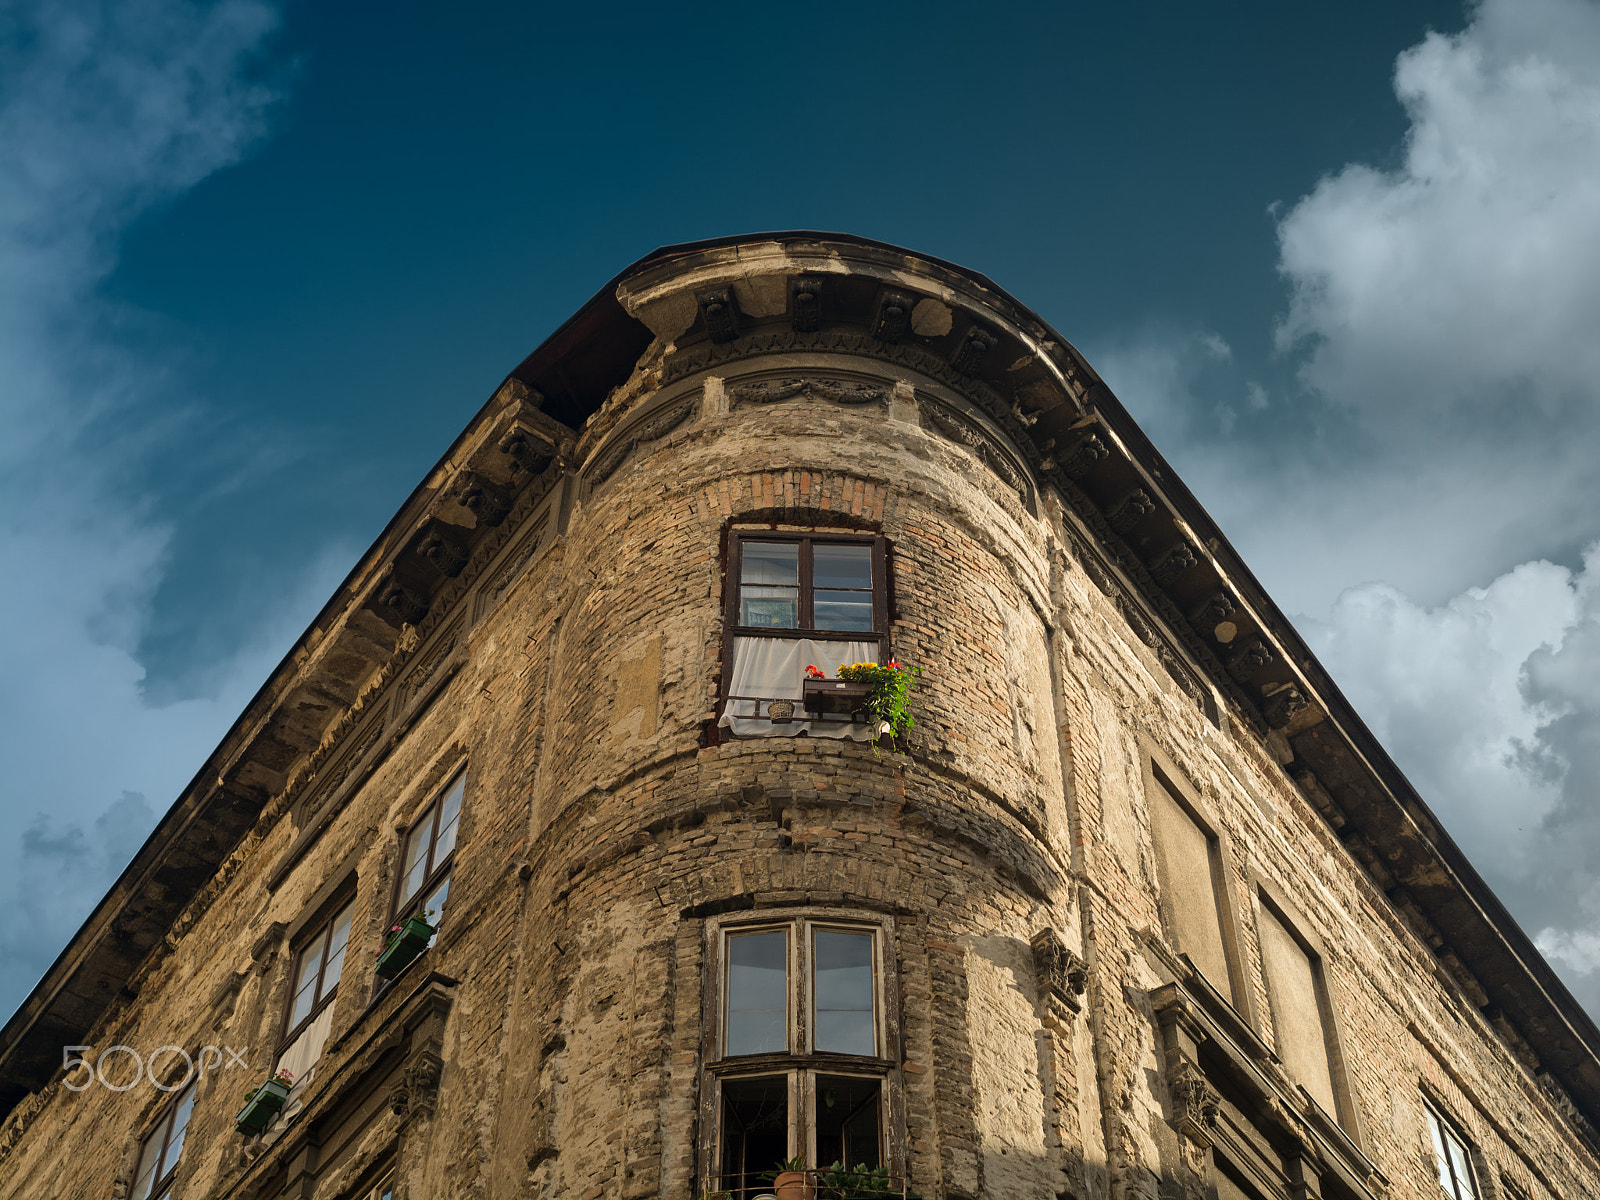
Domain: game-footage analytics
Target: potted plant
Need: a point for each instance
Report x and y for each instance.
(406, 940)
(888, 694)
(263, 1103)
(823, 695)
(790, 1180)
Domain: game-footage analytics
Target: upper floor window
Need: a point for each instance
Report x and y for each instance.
(808, 583)
(158, 1160)
(429, 854)
(1452, 1159)
(797, 600)
(802, 1066)
(309, 1015)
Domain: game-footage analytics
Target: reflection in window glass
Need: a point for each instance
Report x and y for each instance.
(1450, 1156)
(847, 1121)
(159, 1159)
(769, 585)
(842, 579)
(416, 860)
(758, 992)
(842, 966)
(755, 1132)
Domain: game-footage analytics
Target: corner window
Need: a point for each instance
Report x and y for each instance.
(803, 1067)
(799, 600)
(314, 984)
(428, 855)
(1452, 1159)
(158, 1160)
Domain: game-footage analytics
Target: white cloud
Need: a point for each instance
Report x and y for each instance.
(1451, 303)
(1443, 317)
(106, 110)
(1491, 705)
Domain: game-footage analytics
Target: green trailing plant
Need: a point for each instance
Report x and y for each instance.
(888, 704)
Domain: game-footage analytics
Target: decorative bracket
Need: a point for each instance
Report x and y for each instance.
(1061, 973)
(721, 313)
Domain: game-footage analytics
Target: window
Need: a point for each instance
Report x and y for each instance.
(1193, 895)
(382, 1190)
(798, 600)
(1452, 1159)
(803, 1065)
(158, 1160)
(309, 1014)
(427, 856)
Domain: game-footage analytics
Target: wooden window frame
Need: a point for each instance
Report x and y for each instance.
(161, 1184)
(433, 873)
(806, 539)
(1449, 1129)
(800, 1063)
(322, 936)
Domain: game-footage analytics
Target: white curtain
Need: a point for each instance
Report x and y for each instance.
(300, 1059)
(775, 669)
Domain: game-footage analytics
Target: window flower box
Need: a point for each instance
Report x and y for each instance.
(263, 1104)
(836, 696)
(406, 942)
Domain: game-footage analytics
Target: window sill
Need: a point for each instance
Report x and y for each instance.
(757, 1064)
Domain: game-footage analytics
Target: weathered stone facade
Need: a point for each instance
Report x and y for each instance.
(1135, 847)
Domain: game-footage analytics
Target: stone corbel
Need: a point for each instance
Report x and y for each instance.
(265, 948)
(1195, 1102)
(1061, 973)
(486, 500)
(415, 1092)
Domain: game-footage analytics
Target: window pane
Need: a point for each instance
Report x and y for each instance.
(305, 986)
(446, 841)
(755, 1132)
(1463, 1169)
(841, 566)
(844, 999)
(844, 610)
(772, 563)
(758, 992)
(1440, 1155)
(180, 1126)
(769, 607)
(416, 860)
(435, 902)
(848, 1114)
(341, 938)
(147, 1163)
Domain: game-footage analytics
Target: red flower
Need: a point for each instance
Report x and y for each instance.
(812, 671)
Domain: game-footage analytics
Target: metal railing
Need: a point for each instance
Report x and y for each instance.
(820, 1183)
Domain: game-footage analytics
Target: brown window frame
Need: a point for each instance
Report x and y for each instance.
(161, 1184)
(880, 586)
(322, 937)
(1450, 1131)
(800, 1063)
(434, 873)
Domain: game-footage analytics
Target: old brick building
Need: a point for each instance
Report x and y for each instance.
(1139, 908)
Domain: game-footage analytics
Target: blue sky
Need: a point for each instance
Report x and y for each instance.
(261, 262)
